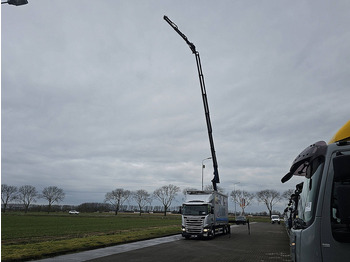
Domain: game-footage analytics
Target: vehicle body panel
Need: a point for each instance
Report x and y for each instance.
(315, 240)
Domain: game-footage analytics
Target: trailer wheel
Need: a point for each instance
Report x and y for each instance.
(226, 230)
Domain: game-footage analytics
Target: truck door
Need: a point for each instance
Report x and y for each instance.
(335, 234)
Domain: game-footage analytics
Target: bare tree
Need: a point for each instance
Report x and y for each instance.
(269, 197)
(142, 198)
(27, 194)
(286, 194)
(52, 194)
(117, 198)
(166, 195)
(242, 198)
(8, 194)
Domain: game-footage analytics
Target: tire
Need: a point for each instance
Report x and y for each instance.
(212, 233)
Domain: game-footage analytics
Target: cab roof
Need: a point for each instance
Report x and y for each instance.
(343, 134)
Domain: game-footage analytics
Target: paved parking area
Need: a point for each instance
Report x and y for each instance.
(266, 242)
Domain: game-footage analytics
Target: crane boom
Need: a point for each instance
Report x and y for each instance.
(216, 179)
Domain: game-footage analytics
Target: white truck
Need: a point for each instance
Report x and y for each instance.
(319, 210)
(205, 214)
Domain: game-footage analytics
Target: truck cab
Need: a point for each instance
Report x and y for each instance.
(204, 214)
(319, 222)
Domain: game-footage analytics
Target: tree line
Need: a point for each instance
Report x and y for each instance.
(115, 199)
(28, 195)
(165, 194)
(269, 197)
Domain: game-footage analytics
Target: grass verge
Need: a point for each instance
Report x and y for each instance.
(25, 243)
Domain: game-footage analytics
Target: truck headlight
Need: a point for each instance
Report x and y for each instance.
(183, 229)
(205, 230)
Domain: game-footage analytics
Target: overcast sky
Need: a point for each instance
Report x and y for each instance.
(98, 95)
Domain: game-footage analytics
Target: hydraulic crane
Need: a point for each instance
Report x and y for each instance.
(216, 179)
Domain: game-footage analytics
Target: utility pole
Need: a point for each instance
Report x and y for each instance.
(203, 166)
(234, 190)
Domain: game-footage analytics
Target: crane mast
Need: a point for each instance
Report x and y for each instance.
(216, 179)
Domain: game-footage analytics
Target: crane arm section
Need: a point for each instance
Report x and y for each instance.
(216, 179)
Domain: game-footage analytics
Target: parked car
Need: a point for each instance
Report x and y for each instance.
(275, 219)
(241, 220)
(73, 212)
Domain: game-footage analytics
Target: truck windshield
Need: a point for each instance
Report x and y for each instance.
(195, 210)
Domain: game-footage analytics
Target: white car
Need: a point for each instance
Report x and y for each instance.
(275, 219)
(73, 212)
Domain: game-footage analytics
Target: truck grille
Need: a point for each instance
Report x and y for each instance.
(194, 225)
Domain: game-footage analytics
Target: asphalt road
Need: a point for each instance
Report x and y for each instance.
(266, 242)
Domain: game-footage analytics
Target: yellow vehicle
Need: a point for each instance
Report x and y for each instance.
(343, 134)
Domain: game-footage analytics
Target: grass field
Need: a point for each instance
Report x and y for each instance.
(39, 235)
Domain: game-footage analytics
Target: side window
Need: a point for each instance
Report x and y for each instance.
(308, 196)
(340, 199)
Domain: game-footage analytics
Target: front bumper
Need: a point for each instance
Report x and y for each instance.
(203, 233)
(199, 235)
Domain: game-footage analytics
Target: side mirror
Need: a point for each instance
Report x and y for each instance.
(301, 162)
(299, 223)
(287, 177)
(17, 2)
(212, 210)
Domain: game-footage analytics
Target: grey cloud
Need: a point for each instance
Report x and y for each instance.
(97, 95)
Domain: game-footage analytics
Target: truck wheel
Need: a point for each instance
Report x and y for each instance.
(212, 233)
